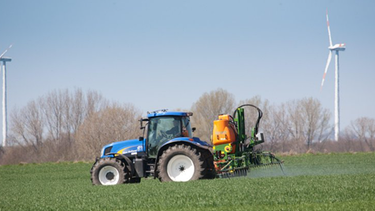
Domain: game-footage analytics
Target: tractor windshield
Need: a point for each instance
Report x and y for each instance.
(164, 128)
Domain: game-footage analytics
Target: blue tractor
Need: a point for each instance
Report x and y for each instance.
(168, 152)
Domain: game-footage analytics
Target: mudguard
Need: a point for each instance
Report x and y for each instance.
(189, 140)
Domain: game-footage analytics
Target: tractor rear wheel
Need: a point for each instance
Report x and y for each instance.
(180, 163)
(108, 171)
(208, 165)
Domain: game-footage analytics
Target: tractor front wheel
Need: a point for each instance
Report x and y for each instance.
(108, 171)
(180, 163)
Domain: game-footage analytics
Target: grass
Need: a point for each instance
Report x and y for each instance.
(313, 182)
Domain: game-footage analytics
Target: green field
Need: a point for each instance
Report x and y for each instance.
(313, 182)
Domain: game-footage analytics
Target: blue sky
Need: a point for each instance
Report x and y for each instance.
(166, 54)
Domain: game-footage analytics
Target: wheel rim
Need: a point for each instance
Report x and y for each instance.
(109, 175)
(180, 168)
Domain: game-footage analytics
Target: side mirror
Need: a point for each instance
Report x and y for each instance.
(193, 129)
(141, 123)
(141, 138)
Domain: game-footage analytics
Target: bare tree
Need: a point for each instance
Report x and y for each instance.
(296, 122)
(276, 127)
(207, 109)
(316, 119)
(27, 125)
(308, 120)
(53, 120)
(364, 130)
(113, 123)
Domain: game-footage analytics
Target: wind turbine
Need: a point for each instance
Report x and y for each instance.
(5, 123)
(336, 48)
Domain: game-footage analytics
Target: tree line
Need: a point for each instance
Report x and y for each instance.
(65, 125)
(72, 125)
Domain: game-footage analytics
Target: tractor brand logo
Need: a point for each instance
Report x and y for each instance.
(127, 150)
(140, 148)
(132, 149)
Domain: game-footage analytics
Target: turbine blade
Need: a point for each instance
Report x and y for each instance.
(329, 30)
(325, 71)
(1, 56)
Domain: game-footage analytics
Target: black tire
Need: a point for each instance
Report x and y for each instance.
(109, 171)
(208, 165)
(180, 163)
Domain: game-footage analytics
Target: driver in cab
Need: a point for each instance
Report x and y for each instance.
(175, 131)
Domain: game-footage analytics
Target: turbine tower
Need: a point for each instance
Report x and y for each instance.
(5, 122)
(336, 48)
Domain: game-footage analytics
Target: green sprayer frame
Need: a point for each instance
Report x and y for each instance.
(229, 164)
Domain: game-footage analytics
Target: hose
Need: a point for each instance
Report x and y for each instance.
(260, 115)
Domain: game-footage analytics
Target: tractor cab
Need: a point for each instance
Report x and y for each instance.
(164, 126)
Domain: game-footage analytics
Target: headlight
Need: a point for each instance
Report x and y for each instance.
(107, 150)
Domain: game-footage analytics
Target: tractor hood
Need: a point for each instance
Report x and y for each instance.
(123, 147)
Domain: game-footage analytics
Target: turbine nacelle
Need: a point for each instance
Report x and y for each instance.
(5, 59)
(338, 47)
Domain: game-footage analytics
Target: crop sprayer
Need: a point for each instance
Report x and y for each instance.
(169, 151)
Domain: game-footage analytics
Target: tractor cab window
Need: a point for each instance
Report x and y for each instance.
(160, 130)
(163, 129)
(186, 127)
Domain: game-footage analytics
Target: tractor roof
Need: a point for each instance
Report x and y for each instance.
(168, 113)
